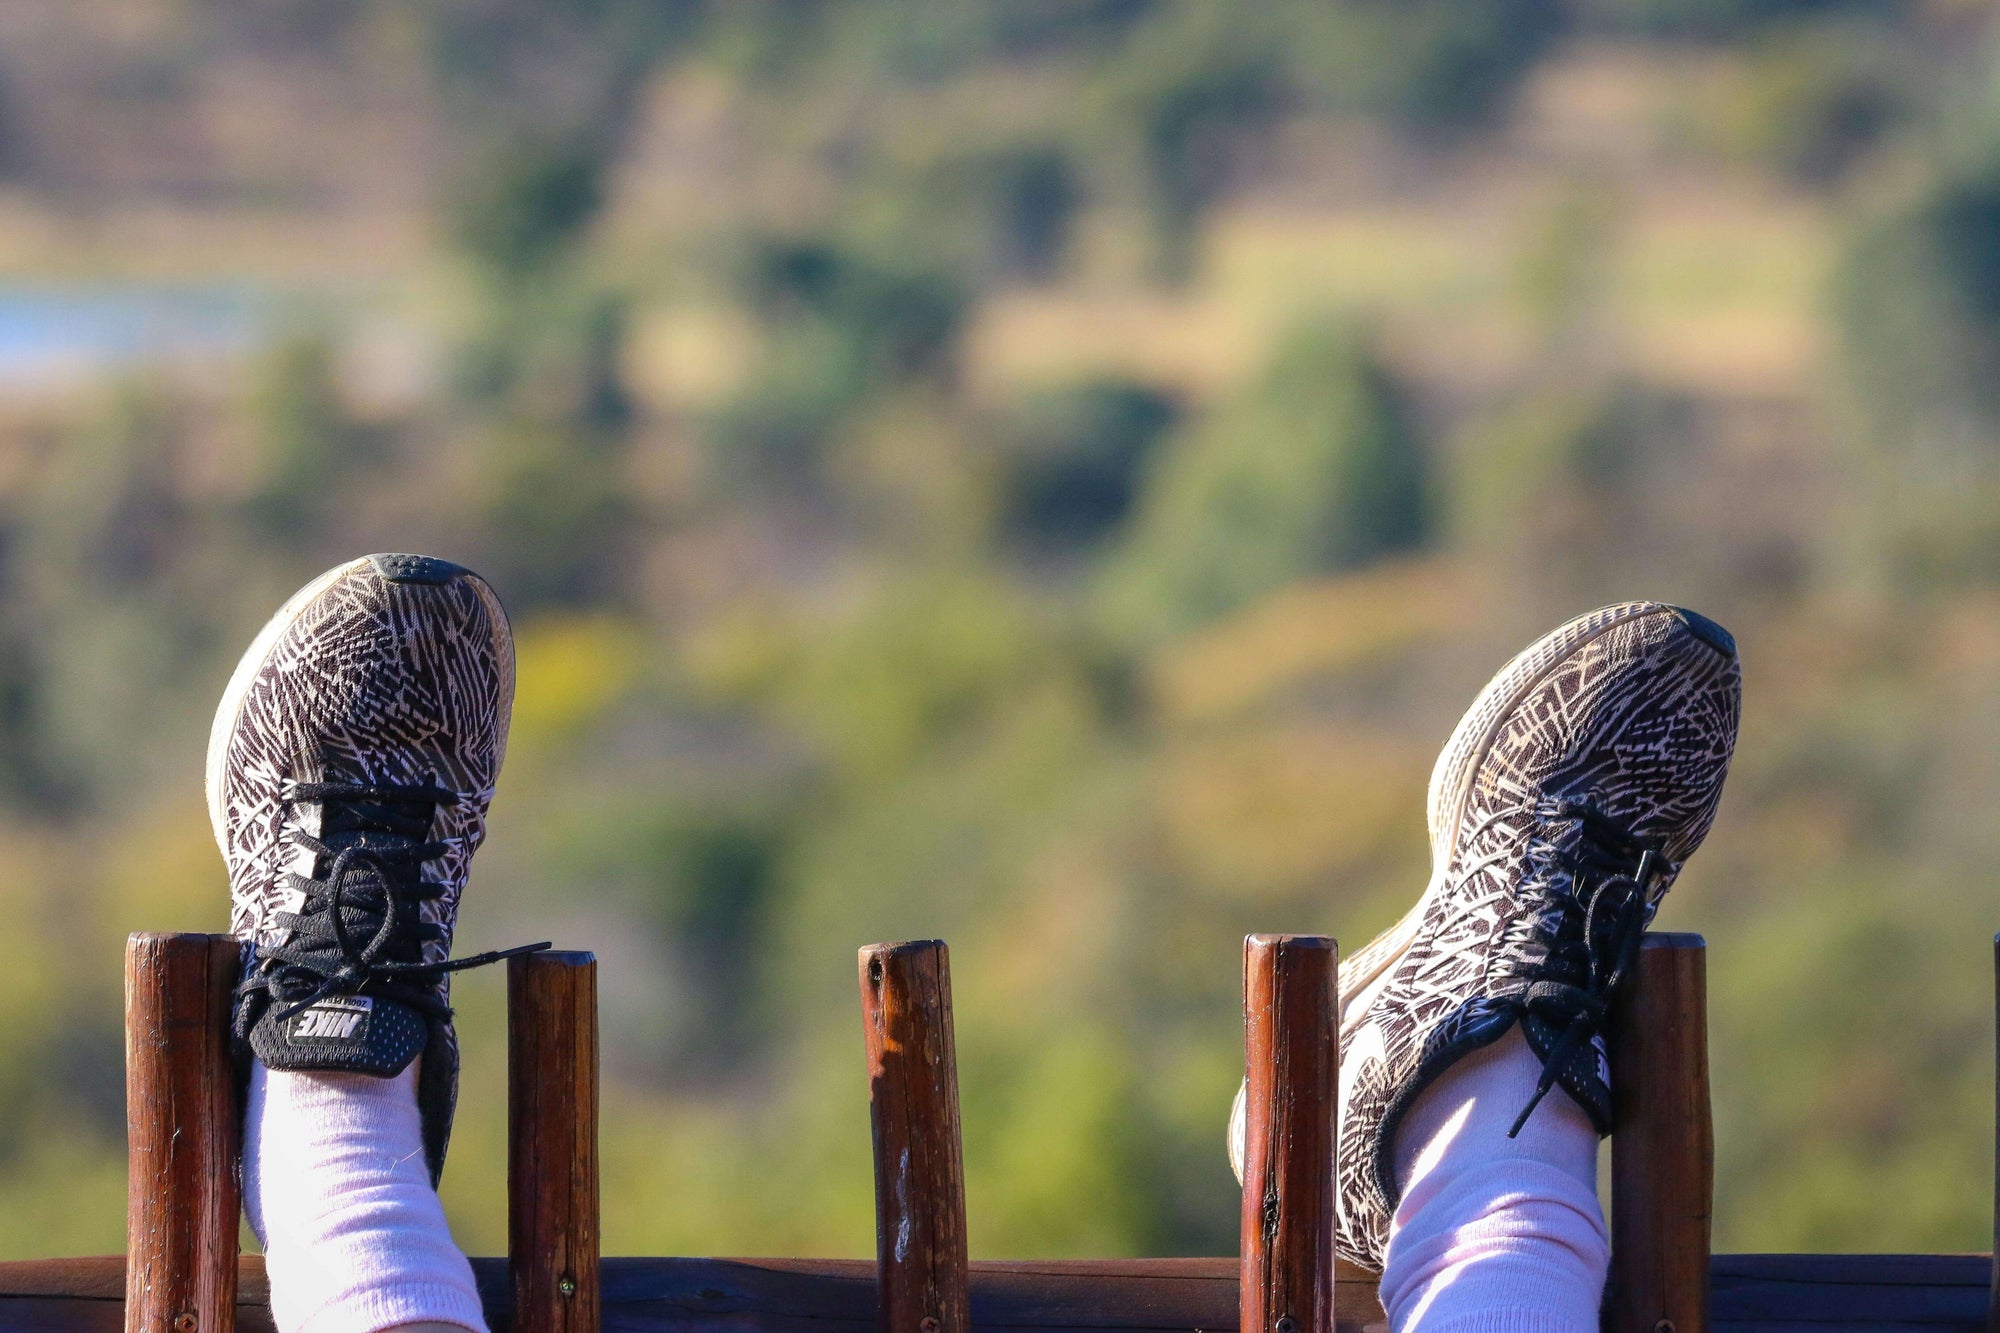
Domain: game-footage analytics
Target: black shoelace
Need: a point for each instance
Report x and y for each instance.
(1592, 947)
(359, 929)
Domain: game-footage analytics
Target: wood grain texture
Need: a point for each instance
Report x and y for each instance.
(913, 1107)
(1663, 1144)
(182, 1128)
(552, 1186)
(1753, 1293)
(1291, 1046)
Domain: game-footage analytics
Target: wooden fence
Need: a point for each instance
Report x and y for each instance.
(182, 1273)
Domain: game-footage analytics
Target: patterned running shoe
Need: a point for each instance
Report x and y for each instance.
(349, 771)
(1565, 803)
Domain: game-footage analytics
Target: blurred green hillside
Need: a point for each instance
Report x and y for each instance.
(1042, 473)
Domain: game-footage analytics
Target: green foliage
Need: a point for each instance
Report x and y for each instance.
(311, 449)
(890, 320)
(1194, 84)
(1009, 211)
(927, 659)
(1566, 448)
(1430, 65)
(1918, 305)
(527, 206)
(1075, 460)
(931, 42)
(1935, 266)
(553, 515)
(1564, 269)
(1723, 18)
(1815, 102)
(840, 326)
(1316, 469)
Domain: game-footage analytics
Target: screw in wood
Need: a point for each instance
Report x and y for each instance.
(567, 1285)
(1664, 1326)
(185, 1322)
(929, 1324)
(1287, 1324)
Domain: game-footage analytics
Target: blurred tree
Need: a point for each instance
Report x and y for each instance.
(1550, 455)
(562, 74)
(926, 661)
(553, 514)
(1317, 468)
(1812, 102)
(698, 875)
(927, 43)
(1564, 270)
(1191, 86)
(1427, 65)
(841, 326)
(121, 580)
(547, 424)
(1075, 457)
(892, 320)
(1723, 19)
(311, 452)
(526, 205)
(32, 776)
(1006, 212)
(1918, 304)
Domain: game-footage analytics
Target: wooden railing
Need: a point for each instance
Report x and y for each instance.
(182, 1273)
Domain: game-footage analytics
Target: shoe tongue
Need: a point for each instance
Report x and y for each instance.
(355, 1034)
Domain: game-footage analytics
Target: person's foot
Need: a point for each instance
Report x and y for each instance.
(1581, 779)
(349, 771)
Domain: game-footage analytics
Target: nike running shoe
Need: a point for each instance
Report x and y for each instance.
(1561, 810)
(349, 771)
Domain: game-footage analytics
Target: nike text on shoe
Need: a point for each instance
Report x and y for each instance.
(1581, 779)
(349, 772)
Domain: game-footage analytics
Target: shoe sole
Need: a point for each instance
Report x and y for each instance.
(230, 709)
(1458, 763)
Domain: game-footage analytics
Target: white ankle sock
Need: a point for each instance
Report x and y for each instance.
(336, 1188)
(1495, 1235)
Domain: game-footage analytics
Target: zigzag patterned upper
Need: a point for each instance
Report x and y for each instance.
(1631, 711)
(362, 678)
(394, 670)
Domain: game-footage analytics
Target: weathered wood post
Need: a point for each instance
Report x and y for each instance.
(1291, 1037)
(1663, 1147)
(913, 1106)
(552, 1212)
(183, 1128)
(1993, 1294)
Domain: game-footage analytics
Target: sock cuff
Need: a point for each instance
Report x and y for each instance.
(1507, 1320)
(388, 1305)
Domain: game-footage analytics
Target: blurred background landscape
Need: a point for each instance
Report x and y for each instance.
(1042, 473)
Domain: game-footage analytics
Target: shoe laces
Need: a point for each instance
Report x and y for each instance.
(1594, 895)
(358, 929)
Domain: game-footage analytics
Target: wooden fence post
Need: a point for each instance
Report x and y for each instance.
(1663, 1147)
(919, 1170)
(552, 1199)
(182, 1129)
(1993, 1293)
(1291, 1035)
